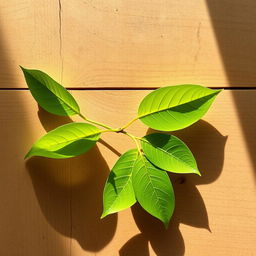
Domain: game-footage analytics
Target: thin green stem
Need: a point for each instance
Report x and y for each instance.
(99, 124)
(119, 130)
(138, 138)
(128, 124)
(135, 139)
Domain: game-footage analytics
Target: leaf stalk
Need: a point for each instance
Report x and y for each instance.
(129, 123)
(118, 130)
(135, 139)
(98, 123)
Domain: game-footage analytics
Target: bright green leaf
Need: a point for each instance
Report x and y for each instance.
(118, 192)
(49, 94)
(66, 141)
(153, 189)
(169, 153)
(175, 107)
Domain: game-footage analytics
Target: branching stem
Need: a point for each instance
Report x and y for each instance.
(118, 130)
(135, 139)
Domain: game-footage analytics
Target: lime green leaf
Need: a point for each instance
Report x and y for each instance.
(49, 94)
(118, 192)
(66, 141)
(175, 107)
(153, 189)
(169, 153)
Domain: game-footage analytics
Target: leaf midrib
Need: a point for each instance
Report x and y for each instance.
(168, 108)
(73, 140)
(154, 188)
(56, 94)
(130, 175)
(168, 153)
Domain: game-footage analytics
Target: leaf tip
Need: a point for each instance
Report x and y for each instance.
(198, 173)
(27, 155)
(22, 68)
(217, 92)
(103, 215)
(166, 224)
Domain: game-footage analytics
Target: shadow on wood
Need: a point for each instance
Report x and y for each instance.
(22, 230)
(234, 26)
(190, 208)
(138, 243)
(75, 187)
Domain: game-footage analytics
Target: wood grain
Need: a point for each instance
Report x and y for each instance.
(129, 43)
(52, 207)
(137, 44)
(30, 37)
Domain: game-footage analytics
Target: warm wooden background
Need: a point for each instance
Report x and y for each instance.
(110, 53)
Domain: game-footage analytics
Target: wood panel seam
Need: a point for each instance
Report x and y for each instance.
(128, 88)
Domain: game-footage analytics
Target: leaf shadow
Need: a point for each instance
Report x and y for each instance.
(207, 145)
(234, 21)
(136, 244)
(75, 186)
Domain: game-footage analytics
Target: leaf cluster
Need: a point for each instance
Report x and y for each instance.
(140, 174)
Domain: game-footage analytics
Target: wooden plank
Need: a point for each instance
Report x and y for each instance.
(129, 44)
(233, 23)
(52, 207)
(29, 36)
(29, 222)
(137, 44)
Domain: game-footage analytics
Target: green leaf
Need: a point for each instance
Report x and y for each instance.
(49, 94)
(118, 192)
(153, 189)
(169, 153)
(175, 107)
(66, 141)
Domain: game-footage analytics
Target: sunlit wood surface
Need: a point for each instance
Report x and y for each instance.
(52, 207)
(94, 43)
